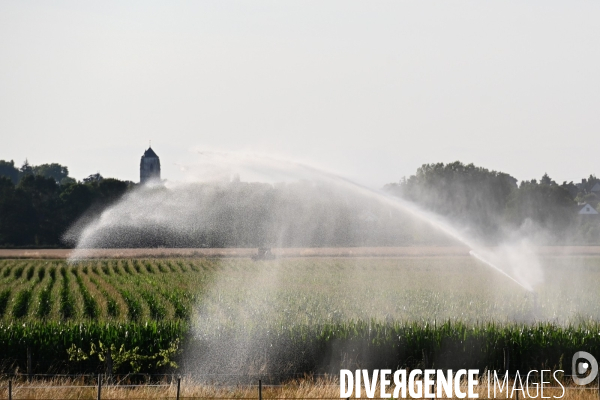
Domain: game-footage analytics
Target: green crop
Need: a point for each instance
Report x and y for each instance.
(22, 301)
(90, 306)
(45, 296)
(149, 267)
(157, 310)
(162, 268)
(52, 340)
(67, 302)
(134, 307)
(19, 271)
(41, 274)
(30, 272)
(127, 268)
(399, 309)
(4, 296)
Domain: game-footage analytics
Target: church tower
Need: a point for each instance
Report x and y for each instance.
(149, 166)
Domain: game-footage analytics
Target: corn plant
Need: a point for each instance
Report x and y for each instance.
(4, 296)
(67, 302)
(21, 306)
(90, 306)
(45, 296)
(134, 307)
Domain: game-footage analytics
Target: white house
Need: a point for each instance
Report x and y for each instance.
(586, 209)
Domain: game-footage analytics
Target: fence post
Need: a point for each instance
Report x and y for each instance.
(29, 363)
(178, 386)
(109, 366)
(259, 389)
(99, 386)
(10, 390)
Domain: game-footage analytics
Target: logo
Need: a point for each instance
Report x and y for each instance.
(584, 364)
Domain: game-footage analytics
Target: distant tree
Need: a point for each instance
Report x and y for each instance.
(474, 197)
(75, 199)
(549, 206)
(25, 169)
(56, 171)
(17, 216)
(571, 188)
(39, 203)
(546, 180)
(8, 169)
(110, 189)
(93, 178)
(43, 194)
(67, 181)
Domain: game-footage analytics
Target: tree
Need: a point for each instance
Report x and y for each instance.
(110, 190)
(473, 197)
(75, 199)
(42, 193)
(546, 180)
(549, 206)
(56, 171)
(17, 216)
(7, 169)
(93, 178)
(25, 169)
(571, 188)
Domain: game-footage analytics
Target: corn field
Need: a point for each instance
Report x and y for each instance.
(295, 315)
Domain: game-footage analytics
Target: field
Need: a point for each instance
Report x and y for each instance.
(292, 315)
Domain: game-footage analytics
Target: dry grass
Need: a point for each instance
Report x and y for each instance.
(321, 388)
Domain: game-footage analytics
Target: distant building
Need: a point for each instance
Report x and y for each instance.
(586, 209)
(149, 166)
(596, 189)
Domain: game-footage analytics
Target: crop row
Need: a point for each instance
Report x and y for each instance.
(99, 290)
(295, 350)
(50, 344)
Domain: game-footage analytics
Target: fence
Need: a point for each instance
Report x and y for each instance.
(223, 387)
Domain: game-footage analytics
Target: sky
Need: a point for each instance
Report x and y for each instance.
(368, 90)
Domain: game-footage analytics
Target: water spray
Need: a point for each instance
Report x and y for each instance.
(278, 169)
(489, 264)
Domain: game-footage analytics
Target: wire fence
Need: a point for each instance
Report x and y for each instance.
(223, 387)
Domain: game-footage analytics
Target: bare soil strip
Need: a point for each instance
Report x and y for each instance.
(416, 251)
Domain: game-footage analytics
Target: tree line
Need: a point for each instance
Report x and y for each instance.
(39, 203)
(491, 205)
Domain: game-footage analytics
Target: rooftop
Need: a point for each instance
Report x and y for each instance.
(150, 153)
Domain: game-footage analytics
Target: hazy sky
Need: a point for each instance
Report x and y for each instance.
(370, 90)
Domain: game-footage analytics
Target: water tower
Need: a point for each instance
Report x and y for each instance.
(149, 166)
